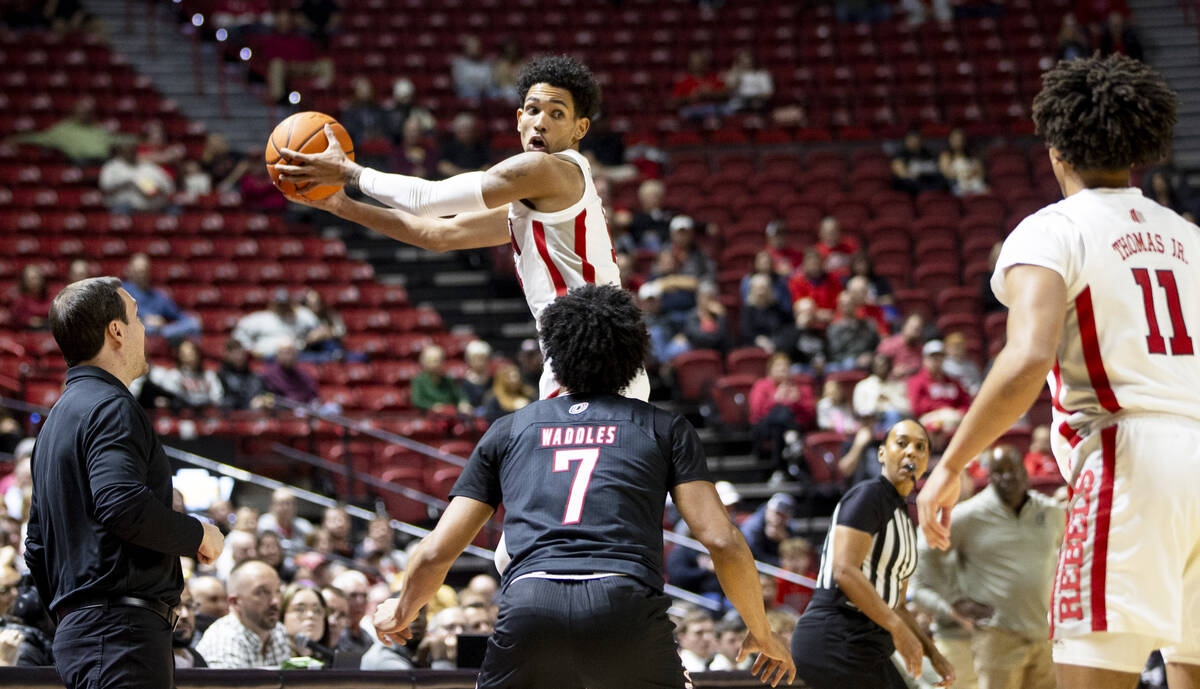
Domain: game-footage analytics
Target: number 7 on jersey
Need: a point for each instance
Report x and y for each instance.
(587, 457)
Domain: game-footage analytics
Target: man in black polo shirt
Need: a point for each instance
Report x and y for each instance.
(103, 543)
(584, 478)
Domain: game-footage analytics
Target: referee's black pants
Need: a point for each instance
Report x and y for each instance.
(118, 648)
(839, 648)
(610, 633)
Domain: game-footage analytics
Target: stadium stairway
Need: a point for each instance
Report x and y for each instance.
(174, 62)
(1172, 41)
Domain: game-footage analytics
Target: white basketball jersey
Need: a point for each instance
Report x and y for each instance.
(1132, 270)
(569, 248)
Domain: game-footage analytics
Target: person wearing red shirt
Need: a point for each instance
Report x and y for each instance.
(859, 289)
(813, 282)
(785, 257)
(778, 405)
(700, 93)
(937, 400)
(835, 249)
(1039, 462)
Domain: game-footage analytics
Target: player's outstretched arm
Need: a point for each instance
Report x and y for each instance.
(428, 565)
(1038, 304)
(465, 231)
(701, 509)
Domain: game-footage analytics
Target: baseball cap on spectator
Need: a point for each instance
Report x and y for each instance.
(932, 348)
(682, 222)
(782, 502)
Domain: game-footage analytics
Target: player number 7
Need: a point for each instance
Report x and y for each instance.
(562, 462)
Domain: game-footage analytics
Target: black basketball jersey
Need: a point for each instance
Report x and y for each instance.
(875, 507)
(584, 483)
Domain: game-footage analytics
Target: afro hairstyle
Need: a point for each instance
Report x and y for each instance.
(564, 72)
(1105, 113)
(595, 339)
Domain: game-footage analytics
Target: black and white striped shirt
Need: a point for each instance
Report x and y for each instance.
(874, 507)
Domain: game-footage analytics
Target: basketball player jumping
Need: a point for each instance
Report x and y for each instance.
(542, 200)
(1103, 291)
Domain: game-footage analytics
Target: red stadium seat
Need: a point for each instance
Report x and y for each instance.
(694, 373)
(822, 450)
(747, 361)
(731, 397)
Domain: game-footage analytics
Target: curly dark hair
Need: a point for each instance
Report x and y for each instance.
(1105, 113)
(595, 338)
(564, 72)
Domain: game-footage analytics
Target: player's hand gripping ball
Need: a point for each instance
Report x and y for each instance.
(304, 132)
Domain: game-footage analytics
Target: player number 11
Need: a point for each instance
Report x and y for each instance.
(1180, 342)
(587, 457)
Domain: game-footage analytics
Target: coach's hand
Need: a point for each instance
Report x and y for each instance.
(774, 660)
(937, 498)
(210, 545)
(331, 166)
(389, 626)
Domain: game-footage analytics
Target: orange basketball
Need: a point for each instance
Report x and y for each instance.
(304, 132)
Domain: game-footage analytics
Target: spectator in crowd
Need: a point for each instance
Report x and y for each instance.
(750, 85)
(190, 383)
(768, 527)
(509, 393)
(706, 327)
(264, 332)
(677, 289)
(78, 136)
(289, 53)
(281, 519)
(337, 612)
(415, 154)
(31, 302)
(836, 249)
(988, 298)
(762, 315)
(778, 409)
(302, 609)
(961, 167)
(251, 635)
(504, 71)
(323, 342)
(287, 380)
(803, 341)
(696, 639)
(1039, 461)
(699, 94)
(246, 519)
(1072, 41)
(132, 184)
(879, 290)
(402, 108)
(937, 400)
(153, 147)
(194, 181)
(157, 310)
(904, 348)
(729, 634)
(796, 555)
(335, 522)
(765, 265)
(441, 639)
(878, 397)
(398, 656)
(243, 388)
(1159, 188)
(996, 574)
(477, 381)
(651, 223)
(959, 365)
(812, 282)
(209, 598)
(185, 632)
(433, 389)
(529, 359)
(851, 338)
(81, 269)
(859, 289)
(691, 258)
(786, 256)
(465, 150)
(834, 412)
(1117, 36)
(471, 71)
(240, 546)
(666, 337)
(915, 167)
(319, 18)
(354, 638)
(364, 117)
(224, 167)
(270, 551)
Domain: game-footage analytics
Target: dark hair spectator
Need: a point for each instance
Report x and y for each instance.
(961, 166)
(189, 382)
(509, 392)
(471, 71)
(465, 150)
(244, 389)
(915, 167)
(415, 154)
(287, 380)
(779, 409)
(31, 300)
(505, 69)
(323, 342)
(365, 119)
(750, 85)
(811, 281)
(224, 167)
(1117, 36)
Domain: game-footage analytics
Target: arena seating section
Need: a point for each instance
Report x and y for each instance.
(859, 85)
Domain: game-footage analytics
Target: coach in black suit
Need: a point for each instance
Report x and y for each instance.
(103, 543)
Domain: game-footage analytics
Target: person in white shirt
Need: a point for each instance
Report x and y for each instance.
(264, 332)
(1104, 295)
(251, 635)
(130, 183)
(697, 640)
(879, 397)
(729, 635)
(282, 519)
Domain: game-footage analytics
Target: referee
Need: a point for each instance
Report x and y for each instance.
(856, 619)
(103, 543)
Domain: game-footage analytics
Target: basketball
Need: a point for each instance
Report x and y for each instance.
(304, 132)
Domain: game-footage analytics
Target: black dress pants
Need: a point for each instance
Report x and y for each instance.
(116, 648)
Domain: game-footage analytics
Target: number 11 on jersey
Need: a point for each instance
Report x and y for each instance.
(587, 457)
